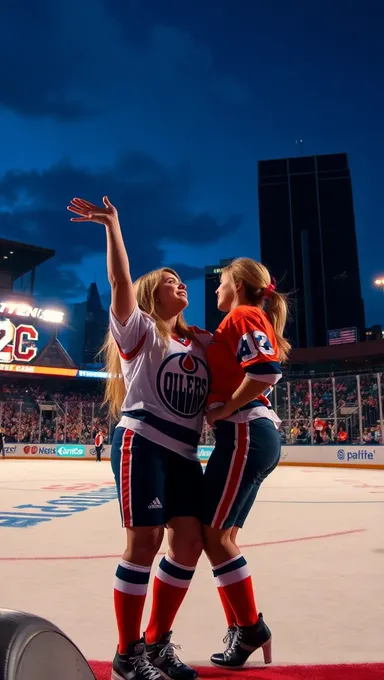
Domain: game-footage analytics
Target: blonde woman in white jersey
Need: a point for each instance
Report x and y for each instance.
(160, 404)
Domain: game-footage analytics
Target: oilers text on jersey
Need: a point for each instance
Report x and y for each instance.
(166, 388)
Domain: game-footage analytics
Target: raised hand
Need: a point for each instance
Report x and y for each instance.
(88, 212)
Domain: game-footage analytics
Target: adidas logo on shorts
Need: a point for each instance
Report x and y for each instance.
(155, 505)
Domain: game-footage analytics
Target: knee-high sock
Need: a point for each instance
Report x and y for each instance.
(131, 584)
(169, 590)
(234, 578)
(228, 611)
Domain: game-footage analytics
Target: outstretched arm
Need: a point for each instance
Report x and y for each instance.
(123, 299)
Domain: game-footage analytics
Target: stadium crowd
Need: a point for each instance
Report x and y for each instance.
(33, 413)
(36, 412)
(330, 424)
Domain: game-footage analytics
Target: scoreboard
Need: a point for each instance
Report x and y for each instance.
(17, 343)
(24, 330)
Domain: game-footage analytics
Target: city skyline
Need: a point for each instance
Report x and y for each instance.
(169, 120)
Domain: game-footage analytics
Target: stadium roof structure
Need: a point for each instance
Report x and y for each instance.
(18, 259)
(360, 356)
(356, 351)
(55, 355)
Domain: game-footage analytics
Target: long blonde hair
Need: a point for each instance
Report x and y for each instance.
(256, 280)
(145, 289)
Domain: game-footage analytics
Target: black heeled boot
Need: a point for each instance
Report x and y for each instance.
(246, 640)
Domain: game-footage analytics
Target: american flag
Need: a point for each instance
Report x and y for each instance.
(342, 336)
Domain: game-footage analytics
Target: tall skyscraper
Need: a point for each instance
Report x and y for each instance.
(89, 322)
(213, 316)
(308, 242)
(96, 324)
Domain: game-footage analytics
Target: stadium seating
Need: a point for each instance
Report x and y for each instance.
(293, 406)
(33, 413)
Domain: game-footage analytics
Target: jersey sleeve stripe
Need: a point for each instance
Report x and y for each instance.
(270, 367)
(128, 356)
(270, 379)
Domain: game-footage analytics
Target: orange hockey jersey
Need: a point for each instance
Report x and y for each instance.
(244, 344)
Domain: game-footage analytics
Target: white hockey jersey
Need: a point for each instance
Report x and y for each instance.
(166, 389)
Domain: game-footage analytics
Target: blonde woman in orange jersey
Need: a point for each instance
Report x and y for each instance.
(244, 360)
(160, 405)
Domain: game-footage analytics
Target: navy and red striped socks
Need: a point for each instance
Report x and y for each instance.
(235, 588)
(170, 587)
(131, 585)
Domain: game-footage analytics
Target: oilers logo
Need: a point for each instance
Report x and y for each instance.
(182, 384)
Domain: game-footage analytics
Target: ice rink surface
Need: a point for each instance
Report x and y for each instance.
(314, 543)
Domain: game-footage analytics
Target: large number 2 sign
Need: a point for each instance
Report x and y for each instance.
(13, 340)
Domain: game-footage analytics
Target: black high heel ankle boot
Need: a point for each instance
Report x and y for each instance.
(246, 640)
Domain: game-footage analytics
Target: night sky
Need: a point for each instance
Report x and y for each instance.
(166, 106)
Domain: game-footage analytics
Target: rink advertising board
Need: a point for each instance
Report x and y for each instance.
(362, 456)
(54, 451)
(326, 456)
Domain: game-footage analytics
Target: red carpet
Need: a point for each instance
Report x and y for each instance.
(102, 671)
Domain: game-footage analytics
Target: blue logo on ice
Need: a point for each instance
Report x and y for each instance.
(29, 515)
(70, 451)
(341, 454)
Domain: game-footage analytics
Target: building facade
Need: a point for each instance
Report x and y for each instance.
(308, 242)
(89, 324)
(213, 316)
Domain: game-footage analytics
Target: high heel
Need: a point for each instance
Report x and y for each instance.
(246, 641)
(267, 651)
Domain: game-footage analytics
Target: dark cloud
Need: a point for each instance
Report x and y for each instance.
(38, 62)
(70, 61)
(152, 201)
(204, 224)
(56, 284)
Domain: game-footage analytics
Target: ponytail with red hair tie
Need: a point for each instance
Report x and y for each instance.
(269, 289)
